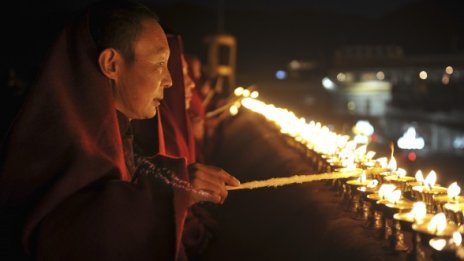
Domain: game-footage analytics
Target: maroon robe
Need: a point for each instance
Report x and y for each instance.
(171, 133)
(65, 190)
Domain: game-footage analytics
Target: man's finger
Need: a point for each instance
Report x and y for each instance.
(226, 177)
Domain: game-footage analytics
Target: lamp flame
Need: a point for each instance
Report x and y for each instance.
(430, 179)
(419, 176)
(362, 178)
(438, 223)
(386, 189)
(394, 196)
(418, 211)
(392, 164)
(370, 155)
(454, 190)
(401, 172)
(383, 162)
(437, 244)
(373, 183)
(457, 238)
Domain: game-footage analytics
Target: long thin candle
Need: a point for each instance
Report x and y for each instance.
(277, 182)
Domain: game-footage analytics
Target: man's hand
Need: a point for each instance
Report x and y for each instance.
(212, 180)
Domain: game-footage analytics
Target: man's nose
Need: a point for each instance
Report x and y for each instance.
(167, 80)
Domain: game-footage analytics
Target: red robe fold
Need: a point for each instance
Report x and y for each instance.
(64, 187)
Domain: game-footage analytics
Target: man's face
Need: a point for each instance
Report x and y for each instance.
(189, 84)
(140, 85)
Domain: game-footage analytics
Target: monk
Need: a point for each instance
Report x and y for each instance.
(71, 187)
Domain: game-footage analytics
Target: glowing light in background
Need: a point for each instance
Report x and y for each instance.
(328, 84)
(380, 75)
(423, 75)
(281, 74)
(238, 91)
(410, 141)
(449, 69)
(254, 94)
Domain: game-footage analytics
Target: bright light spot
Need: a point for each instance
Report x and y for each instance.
(295, 65)
(458, 142)
(437, 243)
(362, 178)
(383, 162)
(254, 94)
(281, 74)
(380, 75)
(419, 176)
(341, 77)
(412, 156)
(392, 165)
(401, 172)
(457, 238)
(233, 110)
(445, 79)
(453, 190)
(431, 179)
(246, 93)
(238, 91)
(394, 196)
(363, 128)
(361, 139)
(423, 75)
(373, 183)
(409, 141)
(449, 69)
(328, 84)
(418, 211)
(438, 223)
(385, 190)
(370, 154)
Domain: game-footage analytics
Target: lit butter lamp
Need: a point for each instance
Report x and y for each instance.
(455, 212)
(428, 190)
(354, 193)
(380, 168)
(447, 248)
(340, 184)
(364, 159)
(452, 197)
(388, 171)
(436, 227)
(392, 204)
(376, 220)
(418, 214)
(399, 178)
(366, 205)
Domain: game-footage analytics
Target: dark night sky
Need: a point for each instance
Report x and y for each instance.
(269, 33)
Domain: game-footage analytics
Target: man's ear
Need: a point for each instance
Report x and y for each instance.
(109, 61)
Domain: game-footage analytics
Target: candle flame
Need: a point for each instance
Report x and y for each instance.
(430, 179)
(392, 164)
(454, 190)
(437, 244)
(351, 145)
(419, 176)
(362, 178)
(373, 183)
(418, 211)
(386, 189)
(383, 162)
(370, 155)
(394, 196)
(401, 172)
(457, 238)
(438, 223)
(361, 150)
